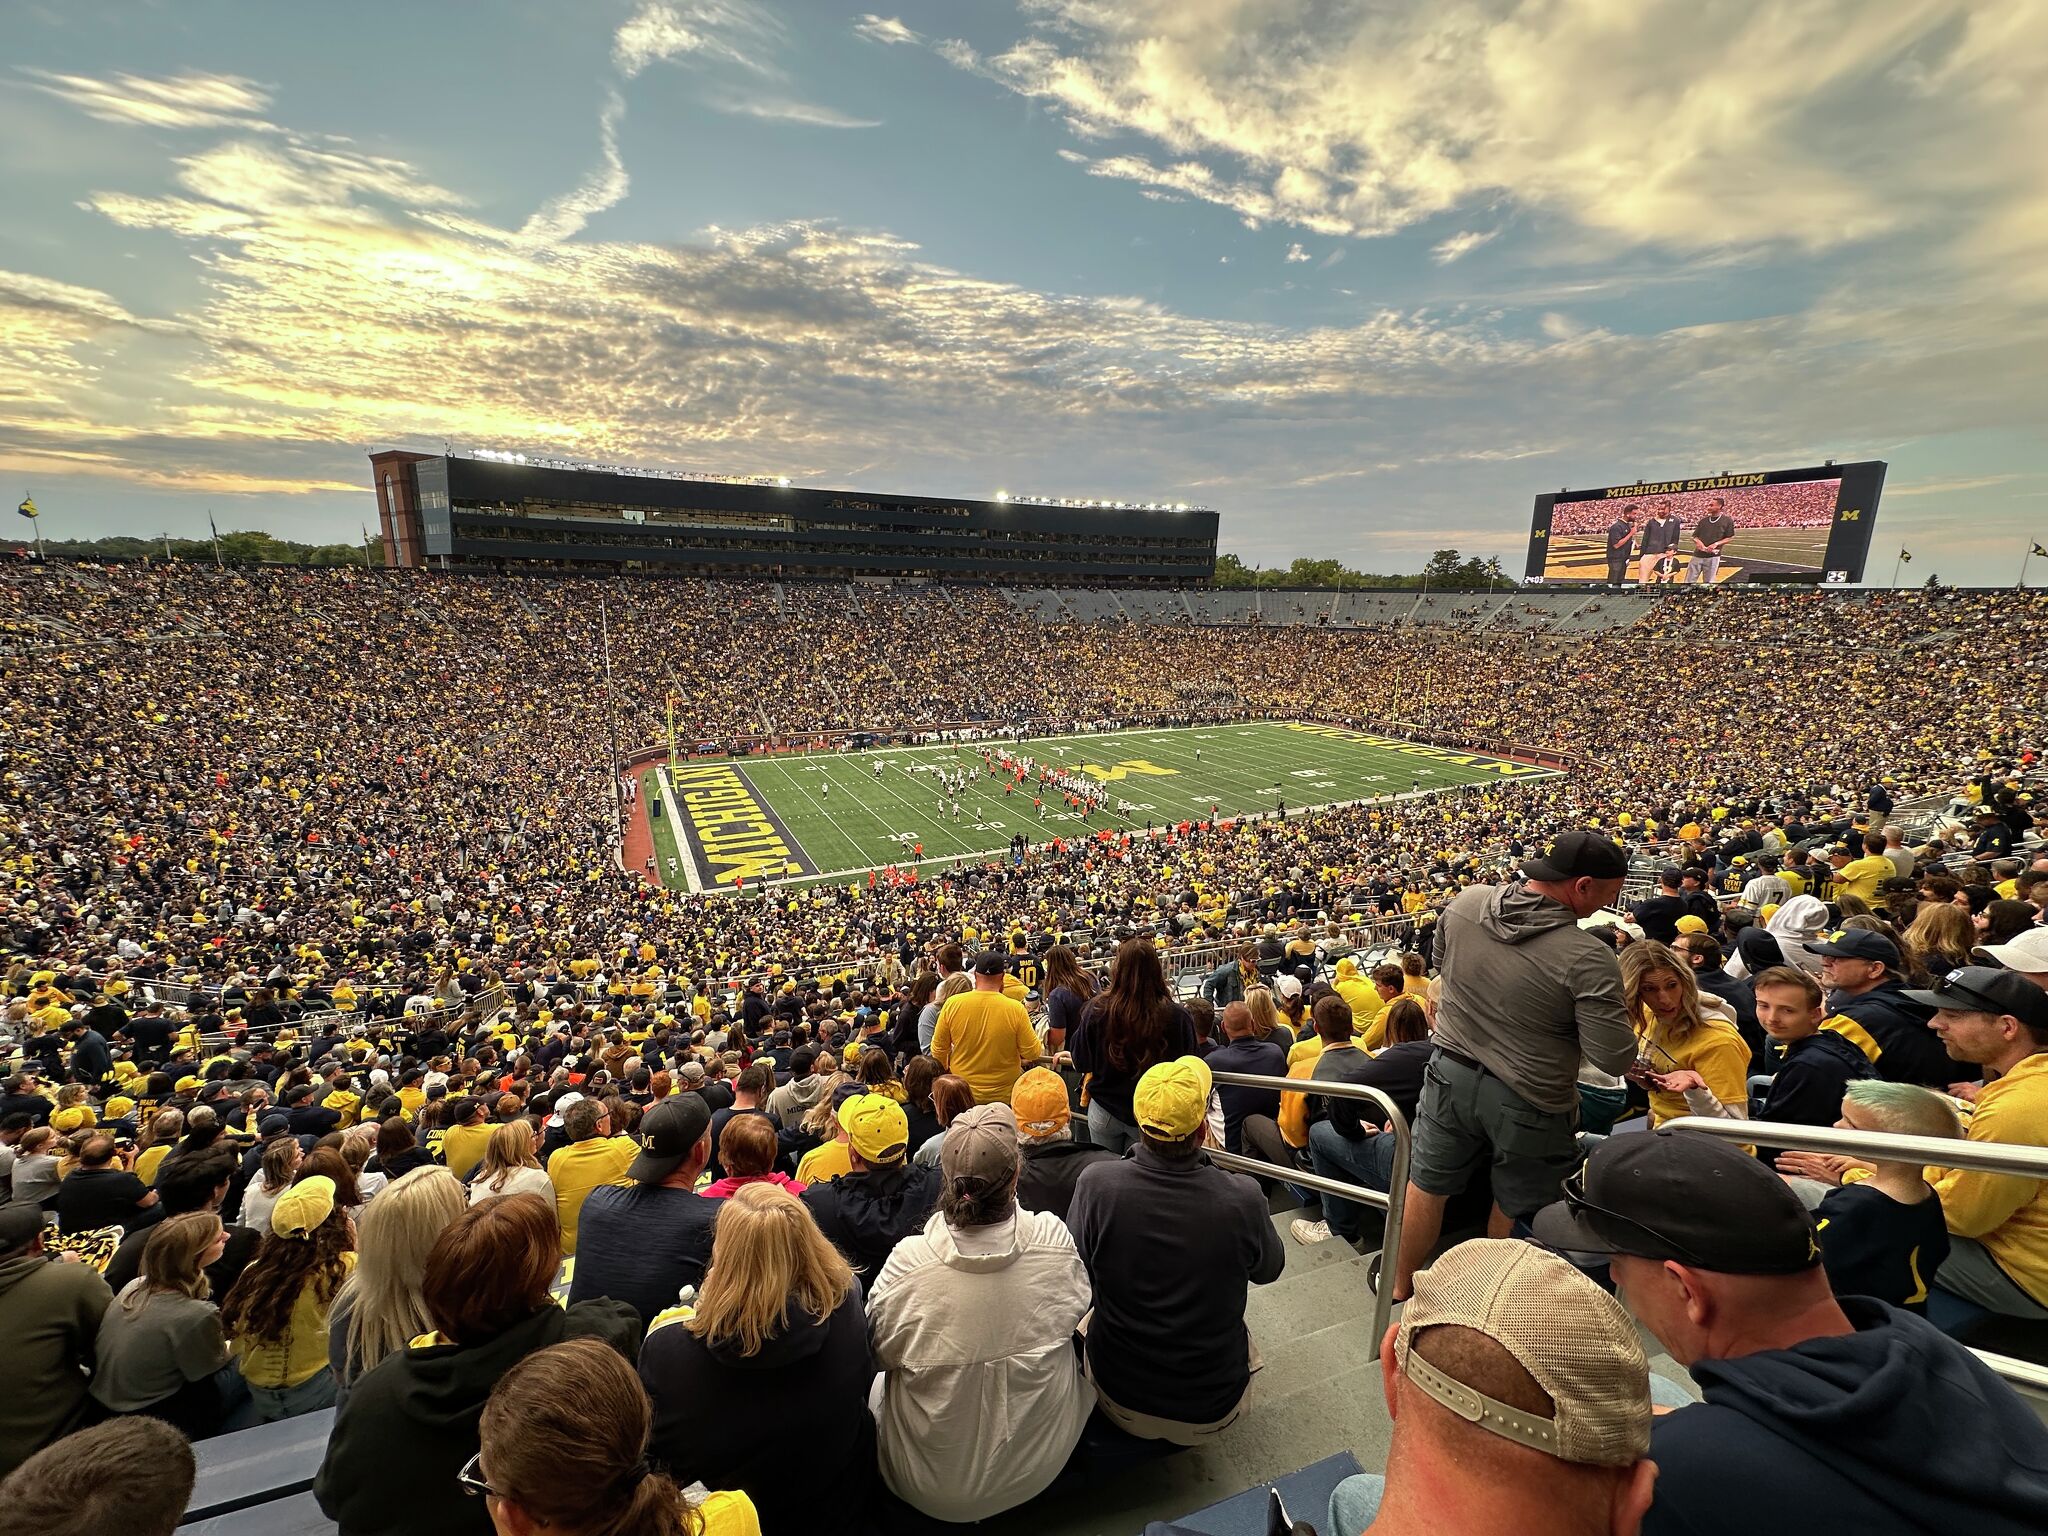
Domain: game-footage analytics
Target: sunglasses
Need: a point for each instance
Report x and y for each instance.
(1576, 1202)
(472, 1479)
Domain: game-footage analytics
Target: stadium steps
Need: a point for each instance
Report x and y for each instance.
(1187, 607)
(778, 594)
(1318, 1394)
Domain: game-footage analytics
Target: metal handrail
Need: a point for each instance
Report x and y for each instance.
(1397, 1176)
(1931, 1151)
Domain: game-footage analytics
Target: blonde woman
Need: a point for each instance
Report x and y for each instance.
(160, 1349)
(779, 1328)
(358, 1142)
(156, 1141)
(1265, 1014)
(1941, 937)
(378, 1308)
(511, 1164)
(281, 1161)
(928, 1016)
(1689, 1053)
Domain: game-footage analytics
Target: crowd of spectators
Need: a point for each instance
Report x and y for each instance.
(347, 1071)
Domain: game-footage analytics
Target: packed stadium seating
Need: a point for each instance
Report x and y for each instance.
(365, 820)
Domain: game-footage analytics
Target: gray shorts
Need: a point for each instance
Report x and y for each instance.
(1469, 1117)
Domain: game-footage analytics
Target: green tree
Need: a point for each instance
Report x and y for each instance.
(1442, 568)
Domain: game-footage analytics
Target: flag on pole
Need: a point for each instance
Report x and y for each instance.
(28, 507)
(1906, 555)
(2043, 553)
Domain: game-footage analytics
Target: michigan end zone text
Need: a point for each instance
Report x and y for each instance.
(731, 834)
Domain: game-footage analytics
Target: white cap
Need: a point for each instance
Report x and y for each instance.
(562, 1104)
(2028, 952)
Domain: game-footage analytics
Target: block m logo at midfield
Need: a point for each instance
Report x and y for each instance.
(1123, 770)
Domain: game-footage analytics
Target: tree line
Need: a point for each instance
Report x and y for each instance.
(1446, 569)
(245, 546)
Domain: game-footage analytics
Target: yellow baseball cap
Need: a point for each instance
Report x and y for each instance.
(1040, 1102)
(118, 1106)
(876, 1127)
(68, 1120)
(301, 1209)
(1172, 1099)
(1692, 922)
(187, 1084)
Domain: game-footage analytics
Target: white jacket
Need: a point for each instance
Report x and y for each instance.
(982, 1398)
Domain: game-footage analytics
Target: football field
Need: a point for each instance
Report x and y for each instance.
(772, 820)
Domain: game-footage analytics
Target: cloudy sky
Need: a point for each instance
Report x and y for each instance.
(1366, 277)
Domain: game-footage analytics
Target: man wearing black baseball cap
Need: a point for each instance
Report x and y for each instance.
(1844, 1413)
(642, 1242)
(1526, 994)
(1998, 1226)
(1861, 967)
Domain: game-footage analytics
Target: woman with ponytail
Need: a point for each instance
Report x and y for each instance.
(564, 1451)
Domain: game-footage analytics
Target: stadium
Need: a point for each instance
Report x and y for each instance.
(777, 769)
(358, 868)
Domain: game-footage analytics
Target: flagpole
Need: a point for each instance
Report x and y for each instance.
(364, 528)
(218, 563)
(1897, 566)
(2023, 562)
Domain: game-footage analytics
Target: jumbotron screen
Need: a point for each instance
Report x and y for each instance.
(1783, 525)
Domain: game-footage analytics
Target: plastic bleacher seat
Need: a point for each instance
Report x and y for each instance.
(1305, 1493)
(257, 1467)
(296, 1515)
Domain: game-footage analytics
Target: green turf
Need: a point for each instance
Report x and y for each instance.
(865, 822)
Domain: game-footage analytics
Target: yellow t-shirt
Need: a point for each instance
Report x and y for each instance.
(822, 1164)
(580, 1167)
(462, 1147)
(301, 1354)
(1862, 877)
(985, 1038)
(729, 1512)
(149, 1159)
(2008, 1215)
(1716, 1051)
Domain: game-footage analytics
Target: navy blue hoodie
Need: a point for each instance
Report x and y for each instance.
(1894, 1428)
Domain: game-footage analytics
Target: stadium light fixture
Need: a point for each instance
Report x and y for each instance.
(782, 480)
(1002, 495)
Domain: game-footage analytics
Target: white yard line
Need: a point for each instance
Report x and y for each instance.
(692, 875)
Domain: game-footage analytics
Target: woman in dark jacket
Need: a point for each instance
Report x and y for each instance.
(410, 1422)
(779, 1338)
(1124, 1032)
(397, 1152)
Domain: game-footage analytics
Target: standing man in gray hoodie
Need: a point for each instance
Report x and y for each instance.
(1526, 993)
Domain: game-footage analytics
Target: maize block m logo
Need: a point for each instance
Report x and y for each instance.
(1124, 770)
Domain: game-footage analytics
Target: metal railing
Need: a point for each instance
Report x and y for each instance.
(1397, 1176)
(1931, 1151)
